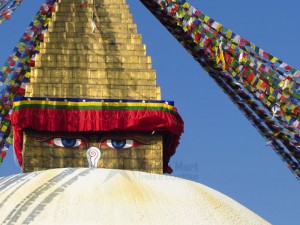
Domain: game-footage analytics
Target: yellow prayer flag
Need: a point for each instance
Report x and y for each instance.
(37, 22)
(219, 27)
(27, 75)
(186, 5)
(20, 47)
(47, 21)
(274, 60)
(206, 18)
(271, 98)
(4, 128)
(229, 33)
(9, 139)
(233, 46)
(281, 83)
(233, 73)
(244, 59)
(288, 117)
(222, 58)
(283, 107)
(293, 107)
(259, 63)
(181, 13)
(259, 83)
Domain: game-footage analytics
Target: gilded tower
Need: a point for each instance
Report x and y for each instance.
(92, 100)
(93, 52)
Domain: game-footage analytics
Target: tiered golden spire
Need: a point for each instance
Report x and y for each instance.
(93, 52)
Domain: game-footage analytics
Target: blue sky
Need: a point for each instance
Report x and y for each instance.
(219, 147)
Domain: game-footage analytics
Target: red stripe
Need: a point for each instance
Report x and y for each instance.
(95, 120)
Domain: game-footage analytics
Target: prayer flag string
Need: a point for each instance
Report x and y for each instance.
(265, 89)
(7, 7)
(15, 72)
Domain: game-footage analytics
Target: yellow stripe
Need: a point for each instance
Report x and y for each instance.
(45, 102)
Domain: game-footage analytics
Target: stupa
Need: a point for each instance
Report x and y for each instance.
(93, 80)
(93, 102)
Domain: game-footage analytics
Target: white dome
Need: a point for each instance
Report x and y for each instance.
(107, 196)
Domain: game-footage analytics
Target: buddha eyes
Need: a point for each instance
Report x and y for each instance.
(120, 143)
(111, 143)
(67, 142)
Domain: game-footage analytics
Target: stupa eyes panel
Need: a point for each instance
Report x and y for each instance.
(131, 151)
(112, 142)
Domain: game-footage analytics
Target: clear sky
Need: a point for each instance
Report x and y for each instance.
(219, 147)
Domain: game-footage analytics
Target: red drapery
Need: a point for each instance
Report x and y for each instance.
(69, 119)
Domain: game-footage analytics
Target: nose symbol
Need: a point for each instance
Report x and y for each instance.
(93, 155)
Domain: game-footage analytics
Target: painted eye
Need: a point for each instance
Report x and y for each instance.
(67, 142)
(120, 143)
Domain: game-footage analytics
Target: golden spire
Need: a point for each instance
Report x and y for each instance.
(93, 52)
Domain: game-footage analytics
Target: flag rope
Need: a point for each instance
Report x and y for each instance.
(265, 89)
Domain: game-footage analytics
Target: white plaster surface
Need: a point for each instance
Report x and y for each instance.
(105, 196)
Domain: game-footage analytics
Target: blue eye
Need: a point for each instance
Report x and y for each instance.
(120, 143)
(67, 142)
